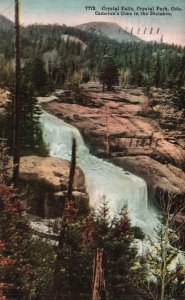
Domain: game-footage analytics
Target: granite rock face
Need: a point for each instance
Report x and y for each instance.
(44, 181)
(126, 126)
(159, 177)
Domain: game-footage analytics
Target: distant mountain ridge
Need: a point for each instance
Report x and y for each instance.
(111, 30)
(5, 24)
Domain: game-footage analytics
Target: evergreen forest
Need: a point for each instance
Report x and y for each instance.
(90, 256)
(69, 56)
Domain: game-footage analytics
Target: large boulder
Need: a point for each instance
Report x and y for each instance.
(44, 181)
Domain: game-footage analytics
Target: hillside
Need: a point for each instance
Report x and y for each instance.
(111, 30)
(5, 24)
(101, 126)
(73, 55)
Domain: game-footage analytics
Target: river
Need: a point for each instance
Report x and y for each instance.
(104, 181)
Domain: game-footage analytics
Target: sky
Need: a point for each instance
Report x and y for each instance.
(73, 12)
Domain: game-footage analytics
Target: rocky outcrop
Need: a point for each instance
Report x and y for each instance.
(159, 177)
(44, 180)
(118, 125)
(125, 127)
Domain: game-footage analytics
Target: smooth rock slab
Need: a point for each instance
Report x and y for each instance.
(160, 178)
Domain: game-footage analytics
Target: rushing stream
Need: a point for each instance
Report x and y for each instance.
(103, 180)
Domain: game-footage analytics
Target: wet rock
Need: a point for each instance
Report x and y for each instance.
(160, 178)
(116, 130)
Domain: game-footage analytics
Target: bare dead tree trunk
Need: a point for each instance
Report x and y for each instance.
(72, 170)
(67, 217)
(107, 129)
(163, 270)
(98, 284)
(16, 114)
(57, 284)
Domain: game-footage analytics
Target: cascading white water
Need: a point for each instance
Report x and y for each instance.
(103, 179)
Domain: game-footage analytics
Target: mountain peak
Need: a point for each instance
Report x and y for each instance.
(5, 23)
(111, 30)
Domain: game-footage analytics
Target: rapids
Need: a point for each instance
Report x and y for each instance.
(103, 180)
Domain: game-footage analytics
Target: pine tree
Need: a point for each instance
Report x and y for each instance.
(15, 270)
(178, 99)
(35, 73)
(108, 73)
(163, 262)
(120, 255)
(68, 238)
(135, 75)
(30, 129)
(156, 71)
(80, 237)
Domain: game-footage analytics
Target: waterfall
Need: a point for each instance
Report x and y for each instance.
(103, 180)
